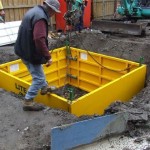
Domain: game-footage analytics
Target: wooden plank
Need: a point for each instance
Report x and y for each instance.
(16, 14)
(19, 6)
(5, 3)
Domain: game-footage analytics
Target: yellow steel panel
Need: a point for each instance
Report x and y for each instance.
(54, 82)
(86, 85)
(73, 71)
(110, 73)
(74, 82)
(20, 87)
(53, 66)
(88, 67)
(73, 64)
(74, 52)
(63, 81)
(54, 101)
(13, 83)
(21, 74)
(27, 77)
(93, 60)
(62, 63)
(13, 66)
(87, 76)
(62, 71)
(52, 75)
(104, 82)
(61, 52)
(114, 63)
(122, 89)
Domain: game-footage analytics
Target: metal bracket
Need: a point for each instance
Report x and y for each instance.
(71, 76)
(71, 58)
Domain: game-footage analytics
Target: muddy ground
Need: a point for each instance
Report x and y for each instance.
(21, 130)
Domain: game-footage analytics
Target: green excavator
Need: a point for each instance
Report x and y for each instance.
(134, 18)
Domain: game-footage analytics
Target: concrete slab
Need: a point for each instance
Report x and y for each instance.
(84, 132)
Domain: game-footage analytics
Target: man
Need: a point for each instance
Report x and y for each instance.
(32, 47)
(79, 7)
(2, 13)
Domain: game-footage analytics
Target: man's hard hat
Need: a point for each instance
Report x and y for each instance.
(54, 4)
(1, 6)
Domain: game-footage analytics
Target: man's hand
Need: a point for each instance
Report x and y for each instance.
(49, 62)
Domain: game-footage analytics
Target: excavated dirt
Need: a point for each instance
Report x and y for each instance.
(21, 130)
(70, 92)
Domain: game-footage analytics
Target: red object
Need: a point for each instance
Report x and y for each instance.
(87, 15)
(60, 22)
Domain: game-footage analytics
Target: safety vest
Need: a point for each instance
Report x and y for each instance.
(1, 6)
(25, 45)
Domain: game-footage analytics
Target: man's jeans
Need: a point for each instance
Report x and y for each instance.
(38, 79)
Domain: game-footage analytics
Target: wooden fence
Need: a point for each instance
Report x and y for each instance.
(15, 9)
(103, 8)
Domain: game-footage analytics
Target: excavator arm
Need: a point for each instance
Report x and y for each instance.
(133, 20)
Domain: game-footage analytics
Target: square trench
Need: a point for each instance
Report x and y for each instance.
(105, 79)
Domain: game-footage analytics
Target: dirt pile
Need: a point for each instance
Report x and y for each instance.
(31, 130)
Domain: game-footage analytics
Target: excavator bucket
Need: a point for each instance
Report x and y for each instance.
(119, 27)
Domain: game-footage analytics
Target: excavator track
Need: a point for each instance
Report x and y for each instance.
(120, 27)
